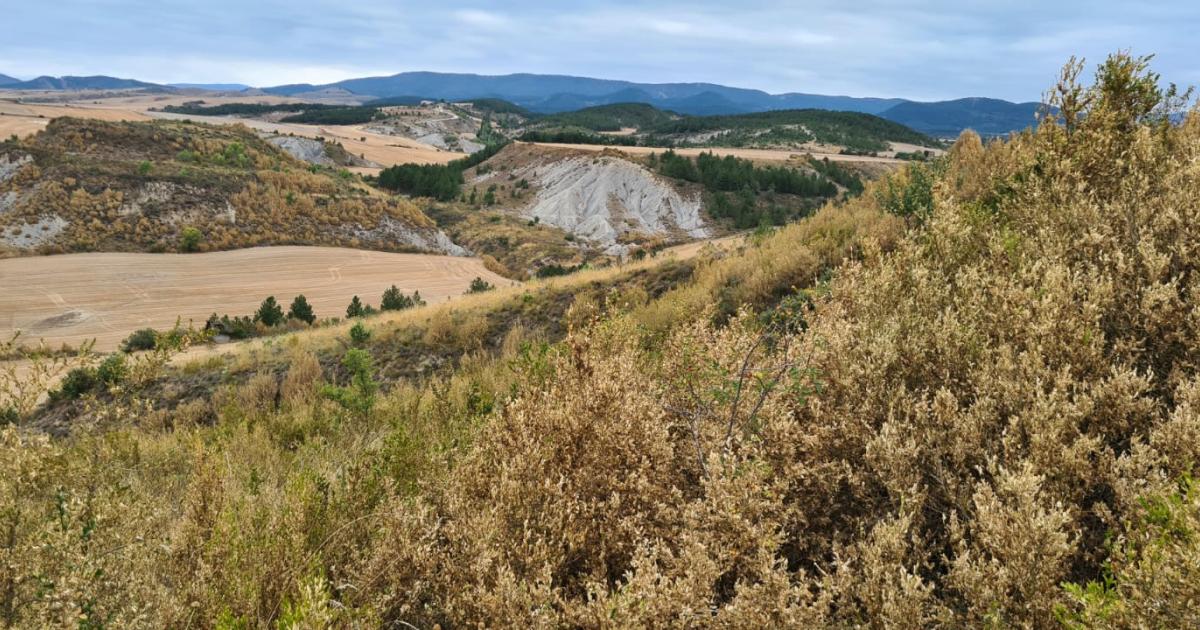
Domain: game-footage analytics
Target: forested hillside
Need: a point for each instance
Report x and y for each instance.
(854, 131)
(969, 397)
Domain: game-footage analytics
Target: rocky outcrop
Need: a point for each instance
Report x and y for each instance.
(601, 198)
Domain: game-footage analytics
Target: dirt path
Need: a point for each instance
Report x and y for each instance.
(74, 297)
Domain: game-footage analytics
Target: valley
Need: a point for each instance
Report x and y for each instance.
(295, 335)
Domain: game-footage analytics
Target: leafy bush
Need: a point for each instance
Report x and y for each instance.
(142, 339)
(189, 239)
(77, 382)
(113, 370)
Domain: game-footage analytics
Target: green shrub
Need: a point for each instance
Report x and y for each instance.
(359, 397)
(143, 339)
(189, 239)
(112, 370)
(78, 382)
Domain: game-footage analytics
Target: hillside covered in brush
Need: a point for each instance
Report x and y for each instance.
(786, 128)
(969, 397)
(87, 185)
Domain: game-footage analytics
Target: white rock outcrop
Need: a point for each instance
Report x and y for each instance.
(599, 198)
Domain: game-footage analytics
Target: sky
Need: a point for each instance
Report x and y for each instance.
(919, 50)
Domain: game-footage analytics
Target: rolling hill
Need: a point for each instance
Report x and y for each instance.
(987, 116)
(652, 126)
(7, 80)
(79, 83)
(95, 186)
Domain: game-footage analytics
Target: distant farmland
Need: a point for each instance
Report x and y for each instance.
(75, 297)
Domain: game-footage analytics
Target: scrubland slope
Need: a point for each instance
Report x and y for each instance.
(90, 185)
(967, 398)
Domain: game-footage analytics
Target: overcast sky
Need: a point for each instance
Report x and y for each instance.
(922, 50)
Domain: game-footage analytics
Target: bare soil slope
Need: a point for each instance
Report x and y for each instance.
(75, 297)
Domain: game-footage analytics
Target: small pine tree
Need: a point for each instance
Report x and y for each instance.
(417, 300)
(270, 313)
(302, 310)
(479, 285)
(359, 334)
(394, 300)
(356, 308)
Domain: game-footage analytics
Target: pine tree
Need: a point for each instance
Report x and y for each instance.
(301, 310)
(270, 313)
(394, 300)
(355, 309)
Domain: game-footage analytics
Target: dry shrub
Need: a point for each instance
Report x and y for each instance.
(963, 419)
(959, 426)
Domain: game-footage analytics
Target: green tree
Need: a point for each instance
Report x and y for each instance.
(189, 239)
(356, 308)
(301, 310)
(479, 285)
(269, 313)
(394, 300)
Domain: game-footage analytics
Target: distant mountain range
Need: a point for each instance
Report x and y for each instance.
(557, 93)
(79, 83)
(550, 94)
(220, 87)
(987, 116)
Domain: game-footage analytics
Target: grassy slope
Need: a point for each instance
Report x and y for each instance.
(939, 433)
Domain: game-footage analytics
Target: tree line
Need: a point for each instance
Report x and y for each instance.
(439, 181)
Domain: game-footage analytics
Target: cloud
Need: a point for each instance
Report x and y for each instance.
(481, 19)
(926, 50)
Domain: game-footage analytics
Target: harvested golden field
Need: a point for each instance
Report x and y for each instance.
(75, 297)
(23, 119)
